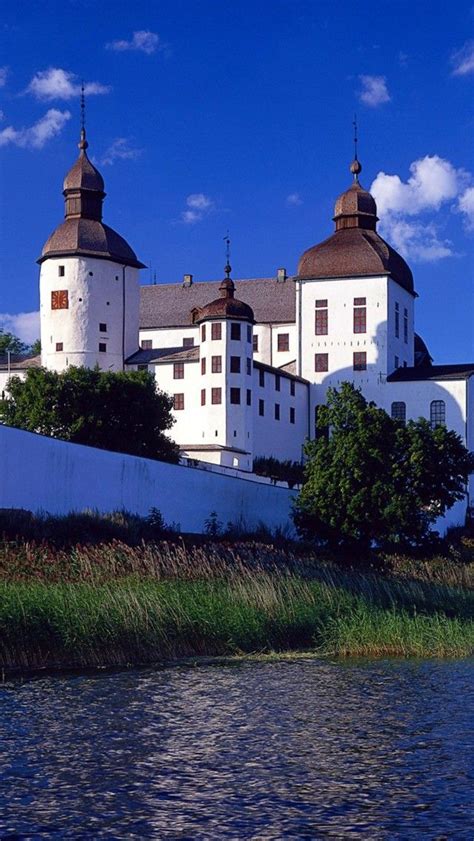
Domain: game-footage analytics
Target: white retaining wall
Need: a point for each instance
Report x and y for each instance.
(43, 474)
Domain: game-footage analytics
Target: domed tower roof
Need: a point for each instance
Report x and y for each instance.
(83, 233)
(355, 249)
(227, 306)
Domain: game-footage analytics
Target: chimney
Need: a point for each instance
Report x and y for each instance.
(187, 280)
(281, 275)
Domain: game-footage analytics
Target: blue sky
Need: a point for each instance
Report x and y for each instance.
(207, 116)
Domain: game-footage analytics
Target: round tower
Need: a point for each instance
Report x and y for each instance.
(226, 331)
(89, 287)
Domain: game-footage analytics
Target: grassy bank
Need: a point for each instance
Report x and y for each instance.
(114, 604)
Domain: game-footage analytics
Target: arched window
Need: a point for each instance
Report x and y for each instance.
(399, 411)
(438, 413)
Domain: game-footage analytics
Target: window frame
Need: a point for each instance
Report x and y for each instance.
(216, 331)
(321, 363)
(361, 363)
(178, 370)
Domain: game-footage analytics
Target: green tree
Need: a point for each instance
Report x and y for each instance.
(122, 411)
(9, 342)
(36, 347)
(374, 479)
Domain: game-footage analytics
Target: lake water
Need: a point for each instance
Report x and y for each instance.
(294, 749)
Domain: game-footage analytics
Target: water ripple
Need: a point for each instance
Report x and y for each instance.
(297, 749)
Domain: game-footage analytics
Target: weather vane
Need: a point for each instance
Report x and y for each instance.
(227, 254)
(83, 108)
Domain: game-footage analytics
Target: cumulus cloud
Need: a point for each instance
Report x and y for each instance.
(463, 60)
(433, 182)
(198, 205)
(3, 76)
(374, 91)
(294, 199)
(37, 135)
(120, 149)
(142, 41)
(25, 325)
(56, 83)
(466, 206)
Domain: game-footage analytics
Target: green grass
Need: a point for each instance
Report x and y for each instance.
(138, 621)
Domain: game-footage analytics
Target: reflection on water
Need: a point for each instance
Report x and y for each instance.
(300, 749)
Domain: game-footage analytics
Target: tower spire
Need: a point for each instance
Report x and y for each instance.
(83, 144)
(228, 268)
(356, 166)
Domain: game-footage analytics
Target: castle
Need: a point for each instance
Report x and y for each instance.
(247, 362)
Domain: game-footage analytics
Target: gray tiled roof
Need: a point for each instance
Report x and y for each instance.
(433, 372)
(167, 354)
(170, 304)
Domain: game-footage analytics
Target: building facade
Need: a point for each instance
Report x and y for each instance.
(247, 362)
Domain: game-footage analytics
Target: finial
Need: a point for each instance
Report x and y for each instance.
(228, 268)
(356, 166)
(83, 144)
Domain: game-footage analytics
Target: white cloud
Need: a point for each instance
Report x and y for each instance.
(466, 206)
(374, 91)
(294, 199)
(142, 41)
(198, 205)
(463, 60)
(3, 76)
(56, 83)
(120, 149)
(25, 325)
(433, 182)
(37, 135)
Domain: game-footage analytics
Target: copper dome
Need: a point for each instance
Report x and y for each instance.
(227, 306)
(355, 249)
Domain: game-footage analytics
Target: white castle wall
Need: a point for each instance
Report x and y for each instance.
(98, 291)
(44, 474)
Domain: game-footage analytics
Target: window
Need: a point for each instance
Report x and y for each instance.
(178, 371)
(277, 411)
(203, 333)
(216, 395)
(360, 315)
(321, 318)
(249, 397)
(102, 347)
(405, 325)
(249, 333)
(60, 299)
(292, 414)
(292, 388)
(102, 327)
(61, 271)
(438, 413)
(261, 408)
(277, 382)
(203, 397)
(283, 341)
(261, 378)
(397, 362)
(235, 332)
(142, 367)
(255, 343)
(178, 402)
(216, 364)
(249, 367)
(146, 344)
(360, 361)
(397, 321)
(235, 364)
(59, 345)
(216, 330)
(399, 411)
(203, 365)
(235, 396)
(321, 362)
(188, 341)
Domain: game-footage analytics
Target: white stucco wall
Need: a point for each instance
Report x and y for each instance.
(43, 474)
(279, 438)
(98, 291)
